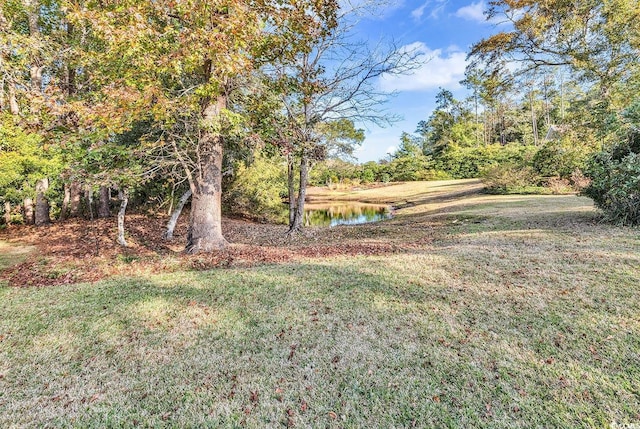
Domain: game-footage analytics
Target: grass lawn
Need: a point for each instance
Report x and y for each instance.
(518, 311)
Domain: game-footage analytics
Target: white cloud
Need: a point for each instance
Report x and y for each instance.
(441, 68)
(391, 150)
(437, 11)
(473, 12)
(434, 12)
(417, 13)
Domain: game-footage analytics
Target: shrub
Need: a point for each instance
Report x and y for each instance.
(579, 181)
(469, 162)
(615, 172)
(512, 179)
(368, 176)
(256, 190)
(410, 168)
(615, 186)
(560, 158)
(559, 186)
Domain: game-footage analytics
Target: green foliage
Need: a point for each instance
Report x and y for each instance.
(615, 186)
(256, 189)
(615, 173)
(512, 179)
(333, 171)
(469, 162)
(24, 159)
(368, 175)
(340, 137)
(560, 158)
(409, 168)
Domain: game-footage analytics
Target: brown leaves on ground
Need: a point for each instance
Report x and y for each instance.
(80, 250)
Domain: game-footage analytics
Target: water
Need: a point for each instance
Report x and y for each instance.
(343, 213)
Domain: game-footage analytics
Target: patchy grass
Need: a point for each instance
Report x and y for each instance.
(515, 312)
(11, 255)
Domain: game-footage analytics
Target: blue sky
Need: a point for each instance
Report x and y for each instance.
(443, 30)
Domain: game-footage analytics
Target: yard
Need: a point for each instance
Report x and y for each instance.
(464, 310)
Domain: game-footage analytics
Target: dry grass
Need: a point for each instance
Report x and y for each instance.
(511, 312)
(399, 194)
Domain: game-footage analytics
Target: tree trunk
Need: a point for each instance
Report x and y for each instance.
(42, 203)
(296, 226)
(205, 228)
(35, 71)
(171, 225)
(292, 188)
(534, 122)
(88, 193)
(13, 101)
(75, 191)
(64, 210)
(69, 70)
(7, 213)
(124, 200)
(103, 206)
(28, 211)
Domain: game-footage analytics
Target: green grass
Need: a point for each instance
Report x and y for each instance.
(521, 312)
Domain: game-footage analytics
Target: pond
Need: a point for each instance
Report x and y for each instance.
(336, 213)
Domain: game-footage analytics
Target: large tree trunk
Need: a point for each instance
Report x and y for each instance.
(171, 225)
(75, 190)
(124, 200)
(205, 229)
(42, 203)
(296, 226)
(28, 211)
(103, 206)
(66, 200)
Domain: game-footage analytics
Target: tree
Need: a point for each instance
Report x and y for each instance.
(331, 78)
(615, 171)
(597, 39)
(31, 96)
(178, 63)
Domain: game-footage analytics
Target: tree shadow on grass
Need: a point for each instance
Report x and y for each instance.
(365, 339)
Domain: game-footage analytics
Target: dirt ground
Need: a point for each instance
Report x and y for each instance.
(80, 250)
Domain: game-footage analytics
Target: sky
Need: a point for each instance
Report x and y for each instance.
(443, 30)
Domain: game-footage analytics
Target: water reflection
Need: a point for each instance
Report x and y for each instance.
(343, 213)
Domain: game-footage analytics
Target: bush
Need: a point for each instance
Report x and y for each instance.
(615, 173)
(560, 158)
(512, 179)
(615, 186)
(368, 176)
(410, 168)
(469, 162)
(559, 186)
(579, 181)
(256, 190)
